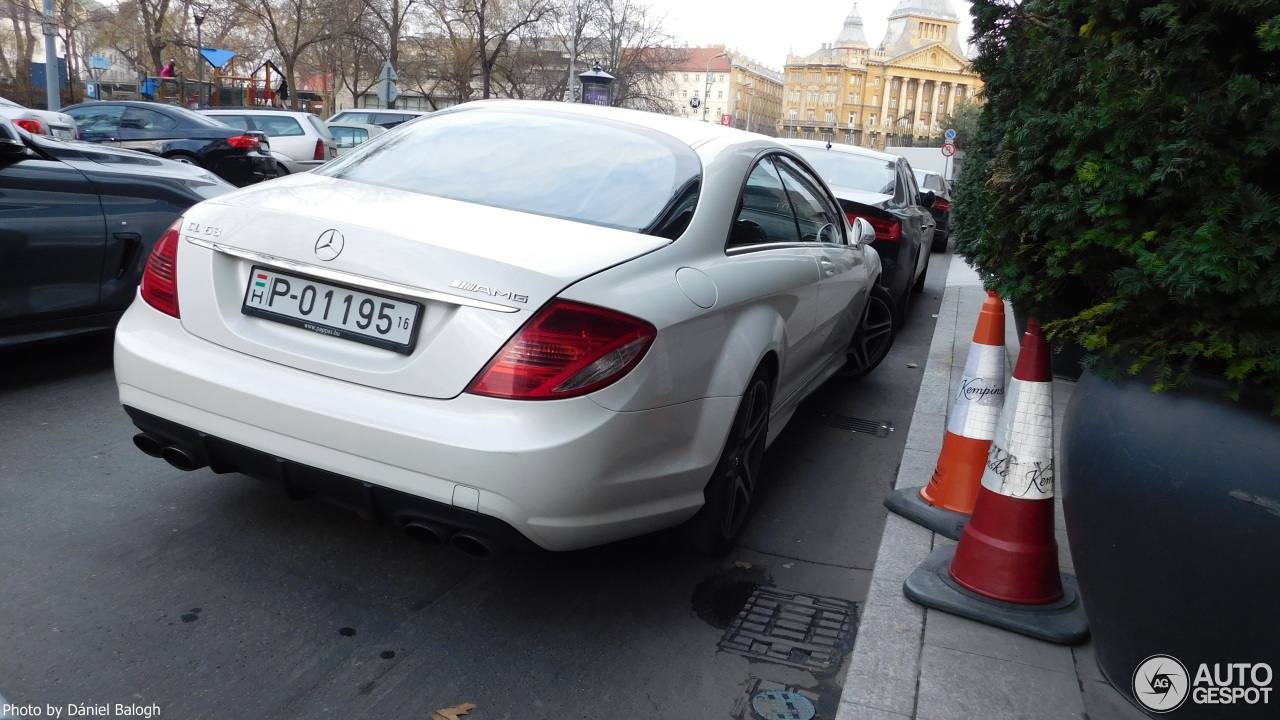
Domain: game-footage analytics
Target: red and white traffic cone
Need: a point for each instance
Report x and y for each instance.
(945, 504)
(1004, 571)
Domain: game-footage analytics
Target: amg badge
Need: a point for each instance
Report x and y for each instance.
(486, 290)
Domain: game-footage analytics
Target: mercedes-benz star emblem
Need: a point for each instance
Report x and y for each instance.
(329, 245)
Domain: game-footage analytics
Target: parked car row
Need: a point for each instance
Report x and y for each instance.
(648, 304)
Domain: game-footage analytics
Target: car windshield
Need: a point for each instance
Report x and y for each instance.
(858, 172)
(584, 169)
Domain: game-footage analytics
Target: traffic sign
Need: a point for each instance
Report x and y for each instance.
(726, 120)
(950, 134)
(694, 102)
(387, 90)
(948, 149)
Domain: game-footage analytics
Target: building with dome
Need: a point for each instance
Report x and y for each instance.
(899, 92)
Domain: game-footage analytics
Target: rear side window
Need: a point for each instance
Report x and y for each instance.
(278, 125)
(98, 118)
(143, 119)
(585, 169)
(238, 122)
(348, 137)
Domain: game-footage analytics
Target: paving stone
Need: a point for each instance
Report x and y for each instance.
(957, 633)
(904, 546)
(885, 665)
(961, 686)
(1103, 702)
(1086, 658)
(853, 711)
(917, 467)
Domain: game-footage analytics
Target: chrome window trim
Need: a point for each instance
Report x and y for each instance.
(347, 278)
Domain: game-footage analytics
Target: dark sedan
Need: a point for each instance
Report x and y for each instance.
(880, 188)
(941, 208)
(76, 224)
(239, 157)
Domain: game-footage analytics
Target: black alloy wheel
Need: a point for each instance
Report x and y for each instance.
(874, 337)
(716, 527)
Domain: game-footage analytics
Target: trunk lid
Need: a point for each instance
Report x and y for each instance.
(476, 272)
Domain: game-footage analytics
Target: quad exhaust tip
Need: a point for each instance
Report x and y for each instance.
(149, 444)
(434, 534)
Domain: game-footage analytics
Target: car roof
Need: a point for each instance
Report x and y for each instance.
(690, 132)
(222, 109)
(840, 147)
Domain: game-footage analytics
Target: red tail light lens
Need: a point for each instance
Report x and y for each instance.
(244, 142)
(160, 278)
(890, 230)
(319, 154)
(567, 349)
(35, 127)
(941, 204)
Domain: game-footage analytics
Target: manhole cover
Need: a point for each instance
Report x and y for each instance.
(871, 427)
(803, 631)
(783, 705)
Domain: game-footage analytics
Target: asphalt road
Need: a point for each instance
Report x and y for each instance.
(126, 581)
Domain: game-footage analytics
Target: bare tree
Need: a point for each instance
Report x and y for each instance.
(635, 48)
(292, 27)
(21, 16)
(494, 23)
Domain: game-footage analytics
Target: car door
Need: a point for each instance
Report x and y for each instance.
(917, 221)
(146, 129)
(844, 281)
(52, 239)
(98, 122)
(767, 267)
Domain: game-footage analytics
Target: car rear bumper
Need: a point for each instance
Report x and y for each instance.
(565, 474)
(242, 170)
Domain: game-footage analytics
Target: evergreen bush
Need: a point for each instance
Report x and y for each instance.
(1123, 185)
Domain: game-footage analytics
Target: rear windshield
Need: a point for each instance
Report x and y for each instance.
(858, 172)
(585, 169)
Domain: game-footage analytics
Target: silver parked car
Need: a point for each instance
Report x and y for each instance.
(299, 140)
(516, 321)
(351, 135)
(39, 122)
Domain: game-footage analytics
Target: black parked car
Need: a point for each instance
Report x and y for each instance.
(941, 209)
(880, 188)
(76, 224)
(240, 157)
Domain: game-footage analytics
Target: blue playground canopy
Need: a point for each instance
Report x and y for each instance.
(216, 57)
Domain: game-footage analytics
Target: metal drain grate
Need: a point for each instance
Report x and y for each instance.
(803, 631)
(870, 427)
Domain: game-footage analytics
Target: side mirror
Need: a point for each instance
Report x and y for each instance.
(927, 198)
(11, 149)
(863, 233)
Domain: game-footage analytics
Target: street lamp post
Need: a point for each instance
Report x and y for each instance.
(198, 13)
(706, 99)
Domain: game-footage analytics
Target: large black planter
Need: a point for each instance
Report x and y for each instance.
(1172, 508)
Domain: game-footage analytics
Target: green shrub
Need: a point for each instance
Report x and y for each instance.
(1124, 181)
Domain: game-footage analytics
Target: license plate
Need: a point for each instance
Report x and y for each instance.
(64, 134)
(334, 310)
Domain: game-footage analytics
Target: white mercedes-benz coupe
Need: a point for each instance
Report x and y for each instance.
(508, 322)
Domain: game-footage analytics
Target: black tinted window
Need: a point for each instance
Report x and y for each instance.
(764, 212)
(583, 169)
(97, 118)
(813, 211)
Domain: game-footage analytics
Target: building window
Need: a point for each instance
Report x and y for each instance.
(872, 119)
(830, 117)
(793, 112)
(875, 99)
(875, 82)
(960, 92)
(811, 117)
(686, 77)
(853, 118)
(719, 94)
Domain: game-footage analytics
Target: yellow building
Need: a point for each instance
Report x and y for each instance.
(899, 93)
(755, 93)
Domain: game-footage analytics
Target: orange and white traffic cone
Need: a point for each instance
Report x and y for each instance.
(1004, 571)
(945, 504)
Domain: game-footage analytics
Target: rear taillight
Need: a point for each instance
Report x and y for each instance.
(567, 349)
(160, 278)
(940, 204)
(244, 142)
(890, 230)
(319, 154)
(35, 127)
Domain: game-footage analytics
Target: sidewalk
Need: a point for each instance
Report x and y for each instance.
(910, 662)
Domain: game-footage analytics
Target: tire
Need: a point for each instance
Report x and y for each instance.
(939, 243)
(183, 158)
(874, 338)
(736, 478)
(919, 283)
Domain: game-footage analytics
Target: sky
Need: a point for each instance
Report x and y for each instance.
(766, 30)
